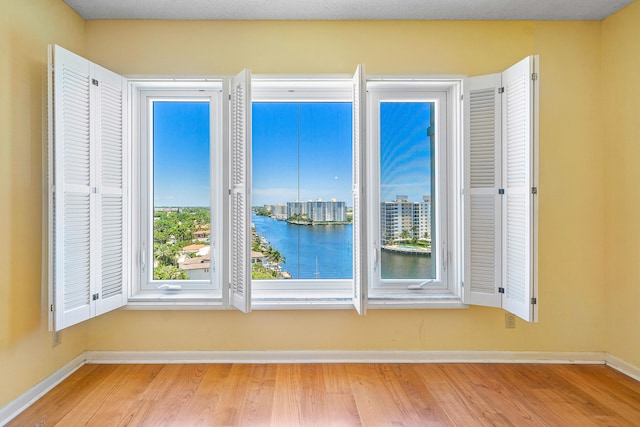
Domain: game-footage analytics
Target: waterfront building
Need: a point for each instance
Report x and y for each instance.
(319, 210)
(402, 214)
(278, 211)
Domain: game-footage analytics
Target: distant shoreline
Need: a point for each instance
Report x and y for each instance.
(413, 250)
(318, 223)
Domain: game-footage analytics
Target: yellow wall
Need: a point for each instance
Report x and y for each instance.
(26, 353)
(621, 112)
(571, 175)
(573, 138)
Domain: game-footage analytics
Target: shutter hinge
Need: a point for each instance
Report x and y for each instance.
(461, 97)
(52, 308)
(501, 290)
(534, 76)
(501, 89)
(94, 190)
(534, 301)
(95, 297)
(94, 82)
(534, 190)
(229, 97)
(500, 190)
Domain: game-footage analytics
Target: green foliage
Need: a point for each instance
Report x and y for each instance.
(261, 211)
(166, 253)
(169, 272)
(179, 224)
(300, 218)
(260, 272)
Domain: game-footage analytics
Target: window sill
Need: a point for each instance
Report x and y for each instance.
(276, 301)
(415, 301)
(183, 300)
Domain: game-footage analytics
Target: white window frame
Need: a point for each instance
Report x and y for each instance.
(294, 89)
(142, 94)
(444, 289)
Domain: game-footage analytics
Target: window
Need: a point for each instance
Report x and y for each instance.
(412, 145)
(302, 219)
(429, 198)
(179, 160)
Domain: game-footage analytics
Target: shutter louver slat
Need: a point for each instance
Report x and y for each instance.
(482, 201)
(111, 133)
(76, 128)
(77, 249)
(240, 275)
(112, 231)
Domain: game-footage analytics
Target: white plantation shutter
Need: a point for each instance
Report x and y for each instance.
(518, 156)
(111, 194)
(240, 275)
(500, 157)
(81, 243)
(72, 188)
(483, 210)
(359, 221)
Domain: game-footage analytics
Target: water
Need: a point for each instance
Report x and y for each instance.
(326, 251)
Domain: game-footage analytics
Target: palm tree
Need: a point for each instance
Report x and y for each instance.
(404, 234)
(166, 254)
(275, 257)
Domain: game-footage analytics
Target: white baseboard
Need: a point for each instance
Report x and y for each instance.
(10, 411)
(366, 356)
(620, 365)
(14, 408)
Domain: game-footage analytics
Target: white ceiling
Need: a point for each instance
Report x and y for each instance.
(348, 9)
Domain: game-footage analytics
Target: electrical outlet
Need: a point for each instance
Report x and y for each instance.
(509, 320)
(57, 338)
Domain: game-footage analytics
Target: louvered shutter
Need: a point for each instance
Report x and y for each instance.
(483, 211)
(240, 111)
(518, 155)
(500, 157)
(72, 190)
(111, 189)
(359, 221)
(80, 255)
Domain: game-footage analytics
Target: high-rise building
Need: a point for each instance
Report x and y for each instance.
(319, 210)
(402, 215)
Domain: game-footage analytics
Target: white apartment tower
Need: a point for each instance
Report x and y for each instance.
(401, 215)
(319, 210)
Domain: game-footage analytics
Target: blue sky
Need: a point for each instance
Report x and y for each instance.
(405, 154)
(181, 154)
(300, 152)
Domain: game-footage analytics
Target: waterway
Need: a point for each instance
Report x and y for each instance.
(326, 251)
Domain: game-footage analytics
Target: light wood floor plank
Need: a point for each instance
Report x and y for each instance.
(340, 395)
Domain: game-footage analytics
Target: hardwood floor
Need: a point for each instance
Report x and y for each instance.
(339, 395)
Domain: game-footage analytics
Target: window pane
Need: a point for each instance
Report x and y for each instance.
(181, 190)
(407, 180)
(301, 159)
